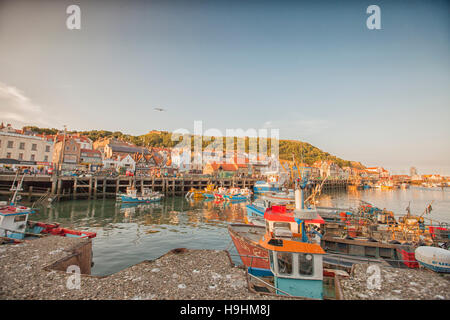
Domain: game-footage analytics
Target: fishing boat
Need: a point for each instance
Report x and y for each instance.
(219, 194)
(281, 223)
(146, 196)
(209, 191)
(297, 268)
(375, 233)
(256, 210)
(367, 185)
(284, 256)
(236, 194)
(16, 227)
(285, 196)
(387, 185)
(262, 187)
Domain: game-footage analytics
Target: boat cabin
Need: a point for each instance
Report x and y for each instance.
(297, 267)
(131, 192)
(282, 223)
(146, 192)
(13, 221)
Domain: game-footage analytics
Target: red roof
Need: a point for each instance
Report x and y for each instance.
(91, 151)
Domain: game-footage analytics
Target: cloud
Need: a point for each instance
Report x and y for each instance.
(15, 106)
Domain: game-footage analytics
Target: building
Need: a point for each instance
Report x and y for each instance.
(83, 141)
(122, 149)
(91, 159)
(147, 164)
(329, 169)
(118, 162)
(223, 170)
(181, 159)
(401, 178)
(69, 157)
(378, 173)
(30, 148)
(432, 178)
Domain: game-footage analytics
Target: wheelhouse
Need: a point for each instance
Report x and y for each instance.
(282, 223)
(13, 221)
(297, 267)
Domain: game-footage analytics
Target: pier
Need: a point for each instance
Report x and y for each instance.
(41, 187)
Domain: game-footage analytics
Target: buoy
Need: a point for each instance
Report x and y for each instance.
(436, 259)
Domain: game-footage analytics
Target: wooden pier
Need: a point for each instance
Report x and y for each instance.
(40, 187)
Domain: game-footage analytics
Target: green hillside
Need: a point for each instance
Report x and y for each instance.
(302, 151)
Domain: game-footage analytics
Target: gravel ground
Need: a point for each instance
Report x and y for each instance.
(395, 284)
(191, 274)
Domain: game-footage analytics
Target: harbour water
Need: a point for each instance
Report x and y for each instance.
(129, 234)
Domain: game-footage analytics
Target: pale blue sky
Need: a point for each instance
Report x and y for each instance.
(311, 69)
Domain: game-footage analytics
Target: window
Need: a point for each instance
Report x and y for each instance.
(22, 146)
(8, 155)
(20, 218)
(305, 264)
(284, 263)
(20, 156)
(271, 259)
(47, 148)
(32, 157)
(285, 225)
(34, 147)
(46, 159)
(10, 144)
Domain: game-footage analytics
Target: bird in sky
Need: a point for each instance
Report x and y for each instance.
(159, 109)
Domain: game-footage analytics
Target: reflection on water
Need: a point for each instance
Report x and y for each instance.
(130, 233)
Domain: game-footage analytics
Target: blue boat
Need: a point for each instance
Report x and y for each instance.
(254, 210)
(146, 196)
(236, 197)
(264, 187)
(208, 195)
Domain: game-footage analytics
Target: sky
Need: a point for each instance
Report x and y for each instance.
(311, 69)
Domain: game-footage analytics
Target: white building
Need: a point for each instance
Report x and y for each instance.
(24, 147)
(181, 159)
(126, 162)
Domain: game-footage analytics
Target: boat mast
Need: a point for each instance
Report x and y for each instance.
(16, 189)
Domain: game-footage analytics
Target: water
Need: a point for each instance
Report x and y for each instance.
(129, 234)
(397, 200)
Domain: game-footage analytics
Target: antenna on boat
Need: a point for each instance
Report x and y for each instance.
(428, 208)
(408, 209)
